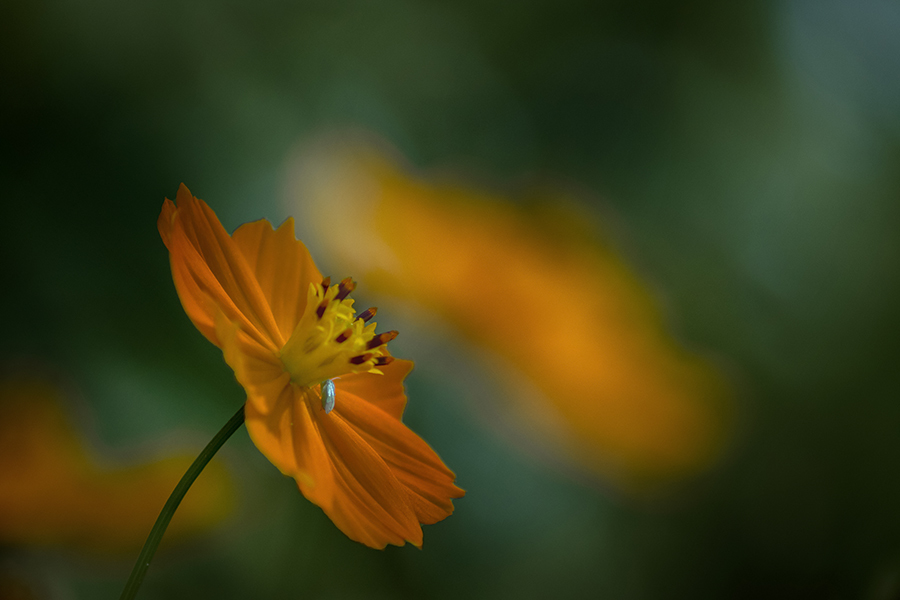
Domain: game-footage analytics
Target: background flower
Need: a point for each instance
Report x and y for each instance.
(55, 492)
(536, 286)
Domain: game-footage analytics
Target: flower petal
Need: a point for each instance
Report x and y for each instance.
(334, 468)
(416, 466)
(384, 391)
(210, 272)
(283, 268)
(283, 429)
(256, 368)
(367, 503)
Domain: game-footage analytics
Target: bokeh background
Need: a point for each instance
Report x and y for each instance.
(741, 157)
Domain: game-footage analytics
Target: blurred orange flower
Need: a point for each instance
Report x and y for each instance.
(54, 493)
(536, 288)
(324, 397)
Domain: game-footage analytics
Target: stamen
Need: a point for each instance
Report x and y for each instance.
(332, 340)
(344, 288)
(381, 339)
(321, 308)
(360, 359)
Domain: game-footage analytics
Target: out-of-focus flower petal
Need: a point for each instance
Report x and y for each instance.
(53, 492)
(534, 288)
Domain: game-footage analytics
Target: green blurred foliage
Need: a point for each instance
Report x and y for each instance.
(746, 155)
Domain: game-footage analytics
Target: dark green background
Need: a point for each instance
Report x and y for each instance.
(746, 154)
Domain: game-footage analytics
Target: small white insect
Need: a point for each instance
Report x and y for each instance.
(328, 395)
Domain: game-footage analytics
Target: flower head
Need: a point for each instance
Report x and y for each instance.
(324, 396)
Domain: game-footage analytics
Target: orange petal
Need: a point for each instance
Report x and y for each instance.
(256, 368)
(367, 502)
(334, 468)
(283, 429)
(416, 466)
(283, 268)
(211, 273)
(384, 391)
(276, 414)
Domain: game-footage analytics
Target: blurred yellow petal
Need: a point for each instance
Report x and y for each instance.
(53, 492)
(288, 335)
(533, 287)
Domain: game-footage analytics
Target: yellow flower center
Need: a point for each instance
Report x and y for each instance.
(331, 340)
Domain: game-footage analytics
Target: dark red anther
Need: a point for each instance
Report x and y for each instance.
(383, 360)
(381, 338)
(344, 288)
(358, 360)
(345, 335)
(326, 283)
(320, 310)
(367, 314)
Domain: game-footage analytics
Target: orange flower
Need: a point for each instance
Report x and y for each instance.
(324, 397)
(54, 493)
(609, 386)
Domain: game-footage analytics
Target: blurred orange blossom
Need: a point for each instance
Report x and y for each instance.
(324, 397)
(536, 288)
(53, 492)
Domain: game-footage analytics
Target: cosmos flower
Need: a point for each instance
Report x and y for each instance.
(324, 396)
(596, 375)
(55, 492)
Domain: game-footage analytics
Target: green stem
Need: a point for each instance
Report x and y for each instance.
(162, 521)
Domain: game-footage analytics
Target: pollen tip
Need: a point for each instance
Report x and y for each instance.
(320, 311)
(383, 360)
(381, 339)
(346, 286)
(361, 358)
(326, 283)
(368, 314)
(344, 336)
